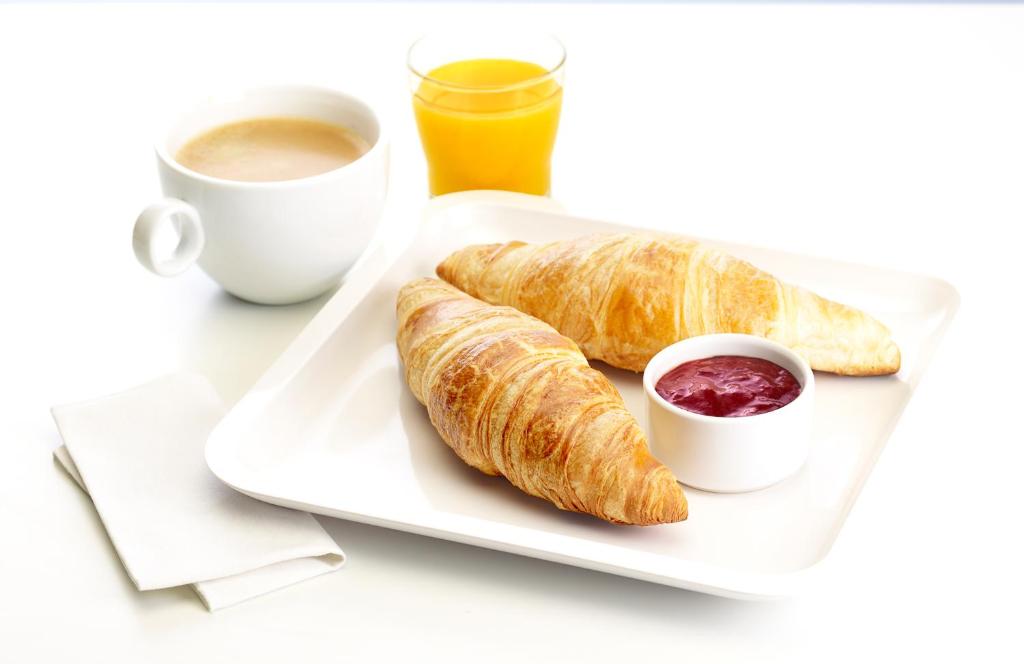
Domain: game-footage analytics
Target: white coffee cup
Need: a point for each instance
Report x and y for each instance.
(267, 242)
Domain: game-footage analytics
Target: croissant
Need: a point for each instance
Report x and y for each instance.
(513, 397)
(624, 297)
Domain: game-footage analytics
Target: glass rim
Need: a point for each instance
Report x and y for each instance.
(529, 82)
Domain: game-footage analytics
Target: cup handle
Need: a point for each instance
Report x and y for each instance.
(184, 222)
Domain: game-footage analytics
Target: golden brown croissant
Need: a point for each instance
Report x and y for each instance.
(624, 297)
(513, 397)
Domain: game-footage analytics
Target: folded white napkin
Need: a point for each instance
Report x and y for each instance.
(139, 455)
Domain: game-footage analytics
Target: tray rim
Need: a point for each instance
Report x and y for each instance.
(701, 577)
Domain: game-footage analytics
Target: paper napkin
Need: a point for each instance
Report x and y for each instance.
(139, 455)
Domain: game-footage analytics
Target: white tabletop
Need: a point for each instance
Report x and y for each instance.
(891, 135)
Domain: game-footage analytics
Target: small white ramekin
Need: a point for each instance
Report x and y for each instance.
(730, 454)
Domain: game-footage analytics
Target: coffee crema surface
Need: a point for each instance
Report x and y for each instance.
(270, 149)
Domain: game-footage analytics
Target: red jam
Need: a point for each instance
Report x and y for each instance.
(728, 386)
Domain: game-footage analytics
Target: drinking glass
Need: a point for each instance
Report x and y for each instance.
(487, 106)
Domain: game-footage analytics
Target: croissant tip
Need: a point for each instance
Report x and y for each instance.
(674, 508)
(661, 519)
(682, 516)
(886, 363)
(442, 269)
(897, 358)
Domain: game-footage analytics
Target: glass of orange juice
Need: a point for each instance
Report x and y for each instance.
(487, 108)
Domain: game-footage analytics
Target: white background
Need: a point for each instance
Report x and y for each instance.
(890, 135)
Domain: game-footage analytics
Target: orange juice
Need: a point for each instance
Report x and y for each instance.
(488, 124)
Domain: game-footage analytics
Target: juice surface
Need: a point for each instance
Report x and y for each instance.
(484, 125)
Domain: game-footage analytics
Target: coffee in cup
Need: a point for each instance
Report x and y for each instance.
(271, 149)
(274, 192)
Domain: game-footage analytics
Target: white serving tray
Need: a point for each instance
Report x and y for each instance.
(333, 429)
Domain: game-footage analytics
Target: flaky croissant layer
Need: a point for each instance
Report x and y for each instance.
(624, 297)
(513, 397)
